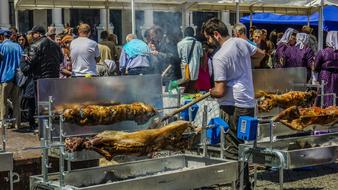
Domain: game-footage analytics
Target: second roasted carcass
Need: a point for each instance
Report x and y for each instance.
(106, 114)
(298, 118)
(112, 143)
(294, 98)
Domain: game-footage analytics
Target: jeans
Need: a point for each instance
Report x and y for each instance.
(139, 71)
(29, 105)
(10, 91)
(231, 115)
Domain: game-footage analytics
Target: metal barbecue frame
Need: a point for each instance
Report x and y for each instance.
(52, 144)
(266, 149)
(6, 158)
(173, 172)
(284, 154)
(274, 151)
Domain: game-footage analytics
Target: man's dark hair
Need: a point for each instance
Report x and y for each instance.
(104, 35)
(215, 25)
(13, 28)
(155, 30)
(189, 31)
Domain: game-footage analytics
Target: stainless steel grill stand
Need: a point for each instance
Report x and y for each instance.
(6, 158)
(221, 147)
(247, 152)
(47, 143)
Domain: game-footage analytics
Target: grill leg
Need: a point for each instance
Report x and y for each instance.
(11, 179)
(241, 181)
(233, 185)
(255, 176)
(281, 178)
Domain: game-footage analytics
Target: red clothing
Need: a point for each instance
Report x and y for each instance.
(203, 82)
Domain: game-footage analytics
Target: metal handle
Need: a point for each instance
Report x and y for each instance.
(186, 106)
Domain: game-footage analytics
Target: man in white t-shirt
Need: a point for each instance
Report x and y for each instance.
(233, 79)
(84, 53)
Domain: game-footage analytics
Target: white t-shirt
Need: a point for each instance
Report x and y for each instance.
(232, 64)
(83, 52)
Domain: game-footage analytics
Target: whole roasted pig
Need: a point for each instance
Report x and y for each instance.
(298, 118)
(106, 114)
(294, 98)
(112, 143)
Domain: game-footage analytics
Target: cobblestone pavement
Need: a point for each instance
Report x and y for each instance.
(313, 178)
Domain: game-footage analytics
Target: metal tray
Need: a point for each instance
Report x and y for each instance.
(6, 161)
(297, 152)
(280, 131)
(175, 172)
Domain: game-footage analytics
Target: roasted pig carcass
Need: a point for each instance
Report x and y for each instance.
(267, 101)
(298, 118)
(112, 143)
(106, 114)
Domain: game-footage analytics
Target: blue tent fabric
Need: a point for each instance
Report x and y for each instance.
(271, 18)
(330, 19)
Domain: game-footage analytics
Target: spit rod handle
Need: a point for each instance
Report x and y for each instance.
(186, 106)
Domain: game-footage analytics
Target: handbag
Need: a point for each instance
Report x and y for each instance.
(20, 79)
(186, 73)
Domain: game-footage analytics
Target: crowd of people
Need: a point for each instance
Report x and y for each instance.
(40, 54)
(211, 60)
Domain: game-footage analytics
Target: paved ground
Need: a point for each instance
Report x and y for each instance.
(314, 178)
(17, 141)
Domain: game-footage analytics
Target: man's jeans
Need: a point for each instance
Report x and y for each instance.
(10, 91)
(138, 71)
(231, 115)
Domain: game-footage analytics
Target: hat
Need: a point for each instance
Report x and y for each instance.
(38, 28)
(2, 32)
(7, 33)
(307, 29)
(51, 31)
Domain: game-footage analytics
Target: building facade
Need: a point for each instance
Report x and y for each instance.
(120, 20)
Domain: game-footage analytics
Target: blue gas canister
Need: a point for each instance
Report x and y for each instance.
(214, 132)
(185, 114)
(247, 128)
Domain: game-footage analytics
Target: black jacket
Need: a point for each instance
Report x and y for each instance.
(45, 58)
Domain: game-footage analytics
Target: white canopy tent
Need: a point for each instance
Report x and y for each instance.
(299, 7)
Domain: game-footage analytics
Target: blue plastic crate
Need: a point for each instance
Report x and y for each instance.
(214, 132)
(247, 128)
(185, 113)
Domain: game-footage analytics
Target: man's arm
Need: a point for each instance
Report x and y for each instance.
(33, 55)
(257, 58)
(97, 53)
(259, 54)
(97, 59)
(219, 90)
(123, 62)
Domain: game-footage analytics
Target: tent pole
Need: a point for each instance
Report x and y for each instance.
(308, 16)
(107, 16)
(251, 12)
(17, 19)
(133, 17)
(237, 11)
(320, 26)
